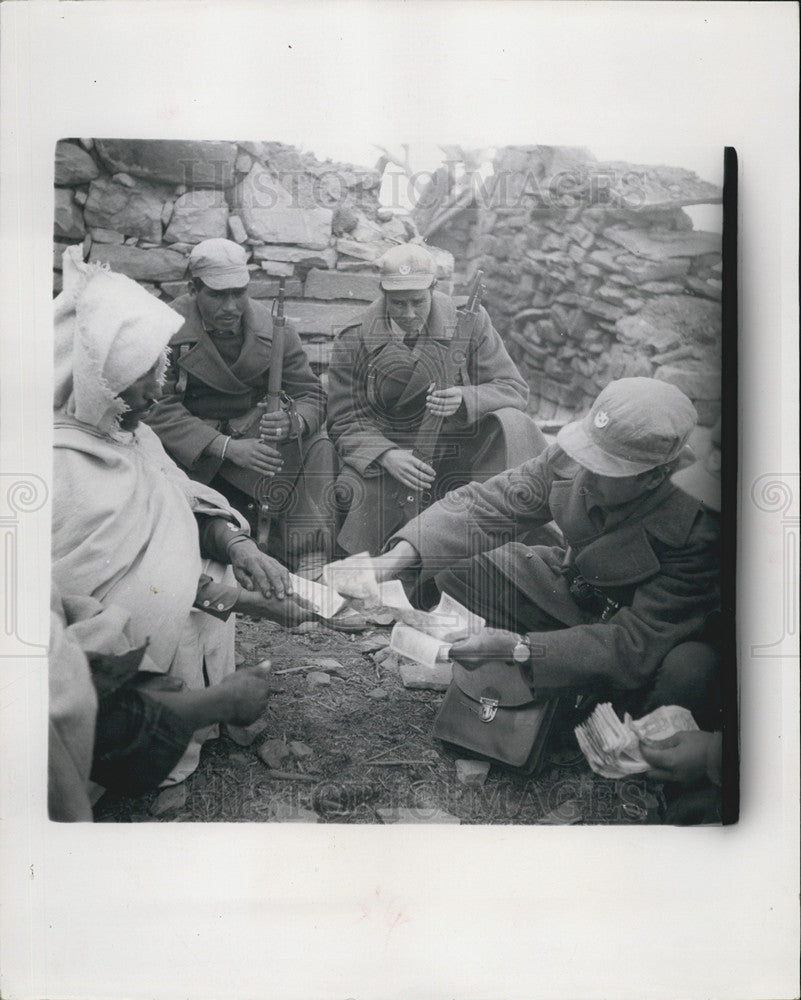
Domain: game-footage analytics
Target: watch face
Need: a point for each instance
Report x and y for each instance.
(521, 652)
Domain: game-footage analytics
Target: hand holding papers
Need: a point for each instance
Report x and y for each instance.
(354, 578)
(426, 636)
(321, 599)
(612, 747)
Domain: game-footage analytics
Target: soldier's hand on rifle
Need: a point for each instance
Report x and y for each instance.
(249, 453)
(256, 571)
(407, 468)
(276, 426)
(444, 402)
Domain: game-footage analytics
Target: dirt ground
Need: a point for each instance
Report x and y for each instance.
(357, 747)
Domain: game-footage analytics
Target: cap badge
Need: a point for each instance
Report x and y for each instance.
(601, 418)
(404, 269)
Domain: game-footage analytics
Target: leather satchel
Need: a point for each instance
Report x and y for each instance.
(492, 713)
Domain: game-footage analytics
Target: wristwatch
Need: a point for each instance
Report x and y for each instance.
(522, 649)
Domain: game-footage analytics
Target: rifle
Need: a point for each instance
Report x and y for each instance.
(400, 504)
(271, 403)
(248, 426)
(412, 502)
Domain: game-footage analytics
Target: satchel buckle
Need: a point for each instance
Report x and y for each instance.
(489, 709)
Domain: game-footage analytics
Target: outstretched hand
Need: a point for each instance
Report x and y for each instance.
(256, 571)
(488, 644)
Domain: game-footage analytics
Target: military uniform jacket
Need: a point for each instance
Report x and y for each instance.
(362, 432)
(656, 556)
(202, 392)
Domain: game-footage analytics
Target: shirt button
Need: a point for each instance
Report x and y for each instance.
(220, 607)
(206, 604)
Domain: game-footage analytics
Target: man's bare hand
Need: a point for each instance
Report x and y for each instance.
(275, 426)
(488, 644)
(444, 402)
(249, 453)
(407, 469)
(681, 757)
(256, 571)
(289, 611)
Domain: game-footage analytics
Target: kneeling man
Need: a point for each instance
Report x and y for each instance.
(635, 574)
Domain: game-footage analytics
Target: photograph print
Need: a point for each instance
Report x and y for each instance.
(390, 492)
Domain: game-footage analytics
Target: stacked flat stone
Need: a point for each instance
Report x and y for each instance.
(141, 205)
(593, 272)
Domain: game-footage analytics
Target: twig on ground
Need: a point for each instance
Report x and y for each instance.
(304, 666)
(396, 763)
(291, 775)
(384, 752)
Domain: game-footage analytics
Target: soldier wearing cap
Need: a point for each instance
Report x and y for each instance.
(218, 373)
(634, 574)
(386, 373)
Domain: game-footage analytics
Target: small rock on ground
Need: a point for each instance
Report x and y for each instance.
(273, 753)
(286, 812)
(416, 675)
(316, 678)
(244, 736)
(378, 694)
(306, 627)
(472, 772)
(372, 643)
(300, 750)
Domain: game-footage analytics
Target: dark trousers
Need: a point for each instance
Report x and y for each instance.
(688, 676)
(301, 500)
(138, 741)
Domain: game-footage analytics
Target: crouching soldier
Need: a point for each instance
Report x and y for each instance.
(218, 373)
(403, 368)
(636, 572)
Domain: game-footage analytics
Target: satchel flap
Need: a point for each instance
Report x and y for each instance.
(515, 737)
(495, 680)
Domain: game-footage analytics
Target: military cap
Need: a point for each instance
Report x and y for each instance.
(407, 267)
(634, 425)
(219, 264)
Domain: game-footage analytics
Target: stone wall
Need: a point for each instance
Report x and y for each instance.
(141, 205)
(593, 272)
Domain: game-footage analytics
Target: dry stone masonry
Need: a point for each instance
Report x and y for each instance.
(593, 272)
(141, 206)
